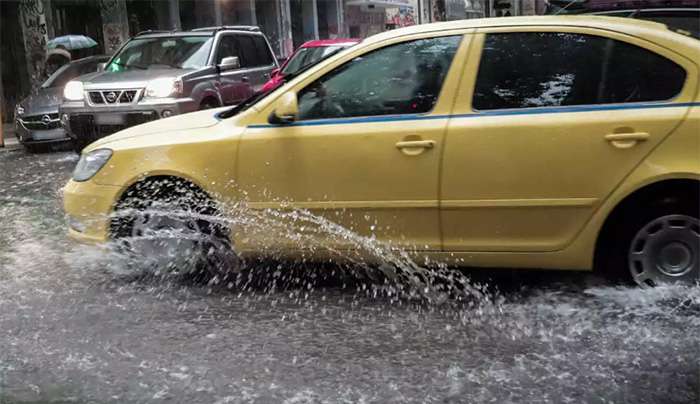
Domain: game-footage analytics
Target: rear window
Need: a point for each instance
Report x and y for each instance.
(539, 69)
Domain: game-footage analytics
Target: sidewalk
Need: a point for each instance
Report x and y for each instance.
(8, 133)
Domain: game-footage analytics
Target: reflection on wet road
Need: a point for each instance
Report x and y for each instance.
(75, 330)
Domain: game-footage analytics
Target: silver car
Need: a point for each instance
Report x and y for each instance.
(160, 74)
(37, 124)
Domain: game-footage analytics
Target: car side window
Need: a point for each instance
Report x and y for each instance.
(249, 56)
(405, 78)
(263, 51)
(545, 69)
(227, 47)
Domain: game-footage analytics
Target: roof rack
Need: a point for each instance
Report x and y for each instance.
(251, 28)
(154, 31)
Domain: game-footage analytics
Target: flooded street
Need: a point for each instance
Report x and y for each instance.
(75, 330)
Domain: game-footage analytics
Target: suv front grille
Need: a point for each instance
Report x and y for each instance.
(41, 122)
(112, 97)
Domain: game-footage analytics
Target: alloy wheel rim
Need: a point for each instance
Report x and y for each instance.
(666, 250)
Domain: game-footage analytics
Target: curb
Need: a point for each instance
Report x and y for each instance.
(10, 147)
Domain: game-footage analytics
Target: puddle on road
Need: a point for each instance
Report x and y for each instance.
(80, 327)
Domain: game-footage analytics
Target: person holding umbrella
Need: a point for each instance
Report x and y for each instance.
(61, 50)
(77, 45)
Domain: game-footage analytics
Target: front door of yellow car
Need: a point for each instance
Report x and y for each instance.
(364, 150)
(547, 123)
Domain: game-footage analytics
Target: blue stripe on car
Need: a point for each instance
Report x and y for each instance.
(524, 111)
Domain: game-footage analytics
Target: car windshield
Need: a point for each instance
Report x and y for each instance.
(180, 52)
(309, 56)
(68, 72)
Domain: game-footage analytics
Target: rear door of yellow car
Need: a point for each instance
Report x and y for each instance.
(548, 121)
(365, 149)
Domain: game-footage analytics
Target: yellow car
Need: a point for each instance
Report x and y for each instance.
(565, 142)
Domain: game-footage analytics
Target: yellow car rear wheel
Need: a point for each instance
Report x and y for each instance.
(656, 244)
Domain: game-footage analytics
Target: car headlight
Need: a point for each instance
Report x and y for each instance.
(163, 87)
(19, 110)
(90, 163)
(73, 91)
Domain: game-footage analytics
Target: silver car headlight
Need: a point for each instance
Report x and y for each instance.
(90, 163)
(19, 110)
(73, 91)
(164, 87)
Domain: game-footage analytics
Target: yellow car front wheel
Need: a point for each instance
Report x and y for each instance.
(168, 227)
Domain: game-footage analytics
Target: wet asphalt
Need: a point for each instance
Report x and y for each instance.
(73, 329)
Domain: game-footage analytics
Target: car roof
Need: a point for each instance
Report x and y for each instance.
(629, 26)
(317, 43)
(171, 34)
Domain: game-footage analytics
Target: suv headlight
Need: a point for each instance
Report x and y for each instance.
(19, 110)
(164, 87)
(90, 163)
(73, 91)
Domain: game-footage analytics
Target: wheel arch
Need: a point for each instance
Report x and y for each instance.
(204, 90)
(173, 183)
(664, 191)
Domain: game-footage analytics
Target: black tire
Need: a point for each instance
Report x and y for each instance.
(182, 204)
(636, 233)
(208, 103)
(79, 144)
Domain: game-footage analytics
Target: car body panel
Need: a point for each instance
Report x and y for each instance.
(527, 205)
(541, 207)
(398, 193)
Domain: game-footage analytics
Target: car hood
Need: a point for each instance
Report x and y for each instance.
(128, 79)
(44, 101)
(163, 129)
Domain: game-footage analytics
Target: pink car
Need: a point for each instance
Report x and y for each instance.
(306, 55)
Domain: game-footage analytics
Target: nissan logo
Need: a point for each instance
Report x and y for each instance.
(111, 96)
(46, 120)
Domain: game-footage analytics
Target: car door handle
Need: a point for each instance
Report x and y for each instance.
(245, 79)
(414, 147)
(626, 140)
(415, 144)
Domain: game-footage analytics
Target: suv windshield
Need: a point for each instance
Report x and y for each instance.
(178, 52)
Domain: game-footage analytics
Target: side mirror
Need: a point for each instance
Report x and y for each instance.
(101, 67)
(286, 111)
(230, 63)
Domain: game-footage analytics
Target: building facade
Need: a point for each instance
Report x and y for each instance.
(27, 25)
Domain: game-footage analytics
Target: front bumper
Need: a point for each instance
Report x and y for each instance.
(88, 207)
(89, 123)
(34, 133)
